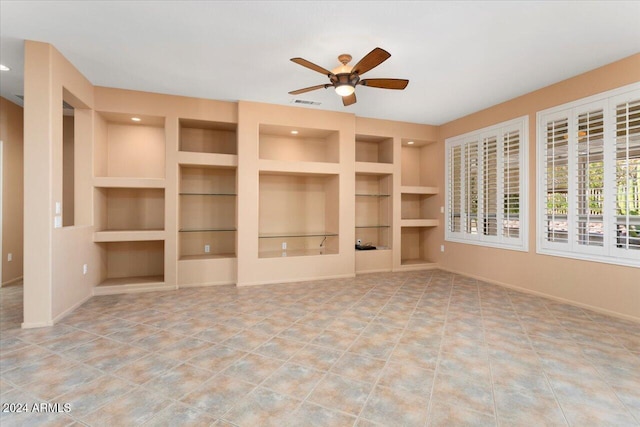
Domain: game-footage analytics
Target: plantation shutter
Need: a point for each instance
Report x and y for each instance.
(511, 184)
(627, 176)
(490, 186)
(471, 187)
(589, 178)
(486, 186)
(455, 189)
(589, 170)
(557, 180)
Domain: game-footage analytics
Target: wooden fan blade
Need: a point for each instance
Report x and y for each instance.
(372, 59)
(385, 83)
(308, 89)
(348, 100)
(312, 66)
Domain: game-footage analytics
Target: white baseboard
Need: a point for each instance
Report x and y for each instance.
(32, 325)
(548, 296)
(71, 309)
(416, 267)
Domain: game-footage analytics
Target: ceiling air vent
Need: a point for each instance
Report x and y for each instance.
(304, 102)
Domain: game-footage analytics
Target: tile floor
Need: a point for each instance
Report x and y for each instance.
(421, 348)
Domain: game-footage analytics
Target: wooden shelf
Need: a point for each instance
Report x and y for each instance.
(427, 191)
(128, 235)
(209, 194)
(120, 182)
(419, 223)
(282, 167)
(207, 159)
(206, 230)
(374, 168)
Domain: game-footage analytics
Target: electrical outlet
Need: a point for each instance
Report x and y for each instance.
(57, 221)
(85, 269)
(207, 249)
(58, 208)
(284, 246)
(9, 257)
(441, 248)
(441, 209)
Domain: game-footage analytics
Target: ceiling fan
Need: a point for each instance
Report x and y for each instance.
(345, 78)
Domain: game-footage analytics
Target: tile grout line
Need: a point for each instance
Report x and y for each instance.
(484, 339)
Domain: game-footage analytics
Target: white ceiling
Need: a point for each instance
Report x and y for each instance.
(460, 57)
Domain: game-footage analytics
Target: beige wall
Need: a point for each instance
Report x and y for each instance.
(11, 134)
(604, 287)
(55, 285)
(53, 280)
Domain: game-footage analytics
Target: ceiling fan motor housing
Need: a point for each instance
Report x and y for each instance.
(340, 79)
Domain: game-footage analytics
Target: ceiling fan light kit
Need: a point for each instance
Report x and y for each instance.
(345, 78)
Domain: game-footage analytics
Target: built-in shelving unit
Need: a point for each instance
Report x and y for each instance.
(374, 149)
(298, 191)
(298, 215)
(132, 266)
(373, 202)
(207, 212)
(207, 198)
(179, 201)
(417, 213)
(278, 143)
(373, 210)
(200, 136)
(129, 201)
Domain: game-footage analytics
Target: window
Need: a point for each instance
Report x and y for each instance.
(486, 186)
(589, 174)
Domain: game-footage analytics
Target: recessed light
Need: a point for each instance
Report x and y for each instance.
(4, 68)
(136, 119)
(294, 132)
(410, 142)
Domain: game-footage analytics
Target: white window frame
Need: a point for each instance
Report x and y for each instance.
(608, 253)
(520, 243)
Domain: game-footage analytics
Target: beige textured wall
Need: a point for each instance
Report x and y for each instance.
(603, 287)
(11, 133)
